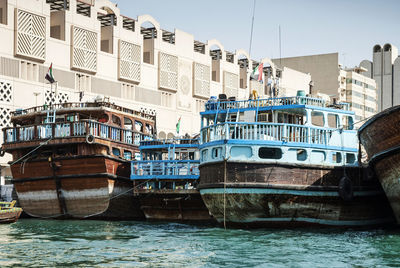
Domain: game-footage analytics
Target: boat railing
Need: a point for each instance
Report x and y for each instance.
(169, 141)
(265, 131)
(167, 169)
(72, 129)
(224, 105)
(67, 105)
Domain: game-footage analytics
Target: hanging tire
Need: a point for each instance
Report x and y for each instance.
(89, 138)
(2, 152)
(346, 189)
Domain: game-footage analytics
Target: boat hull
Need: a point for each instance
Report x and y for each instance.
(179, 205)
(270, 195)
(380, 137)
(76, 187)
(10, 215)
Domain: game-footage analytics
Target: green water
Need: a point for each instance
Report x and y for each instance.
(51, 243)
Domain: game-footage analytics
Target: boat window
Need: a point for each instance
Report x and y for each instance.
(116, 151)
(317, 118)
(137, 156)
(139, 126)
(336, 157)
(348, 122)
(317, 156)
(128, 155)
(116, 120)
(204, 154)
(216, 152)
(149, 129)
(270, 153)
(350, 158)
(333, 120)
(103, 118)
(128, 123)
(300, 154)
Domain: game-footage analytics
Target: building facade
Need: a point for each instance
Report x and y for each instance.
(341, 85)
(97, 53)
(385, 69)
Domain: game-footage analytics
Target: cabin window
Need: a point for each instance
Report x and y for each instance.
(270, 153)
(128, 123)
(350, 158)
(317, 156)
(216, 152)
(139, 126)
(348, 122)
(333, 120)
(299, 154)
(128, 155)
(317, 118)
(116, 120)
(204, 155)
(103, 118)
(137, 156)
(336, 157)
(116, 151)
(149, 129)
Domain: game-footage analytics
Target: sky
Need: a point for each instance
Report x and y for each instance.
(308, 27)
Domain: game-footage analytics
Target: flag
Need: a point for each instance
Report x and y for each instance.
(178, 125)
(257, 73)
(49, 76)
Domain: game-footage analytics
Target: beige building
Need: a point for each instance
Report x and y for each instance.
(97, 52)
(341, 85)
(360, 93)
(385, 69)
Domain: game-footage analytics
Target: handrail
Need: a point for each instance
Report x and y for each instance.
(72, 129)
(81, 105)
(266, 131)
(255, 103)
(176, 169)
(169, 141)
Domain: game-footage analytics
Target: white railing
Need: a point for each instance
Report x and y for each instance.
(223, 105)
(72, 129)
(265, 131)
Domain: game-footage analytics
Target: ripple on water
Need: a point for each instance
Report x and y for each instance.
(118, 244)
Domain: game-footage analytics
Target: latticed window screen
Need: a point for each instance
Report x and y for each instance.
(231, 82)
(51, 98)
(129, 61)
(6, 91)
(5, 117)
(31, 35)
(201, 85)
(84, 49)
(168, 71)
(259, 87)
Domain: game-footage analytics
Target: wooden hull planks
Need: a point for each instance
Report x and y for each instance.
(76, 187)
(173, 205)
(262, 195)
(10, 215)
(380, 137)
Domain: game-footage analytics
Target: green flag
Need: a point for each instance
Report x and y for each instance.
(178, 125)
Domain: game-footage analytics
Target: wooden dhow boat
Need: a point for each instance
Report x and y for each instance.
(380, 137)
(290, 161)
(8, 212)
(72, 160)
(165, 181)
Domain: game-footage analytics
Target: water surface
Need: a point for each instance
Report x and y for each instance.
(37, 243)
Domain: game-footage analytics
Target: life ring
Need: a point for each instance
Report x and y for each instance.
(2, 152)
(89, 138)
(346, 189)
